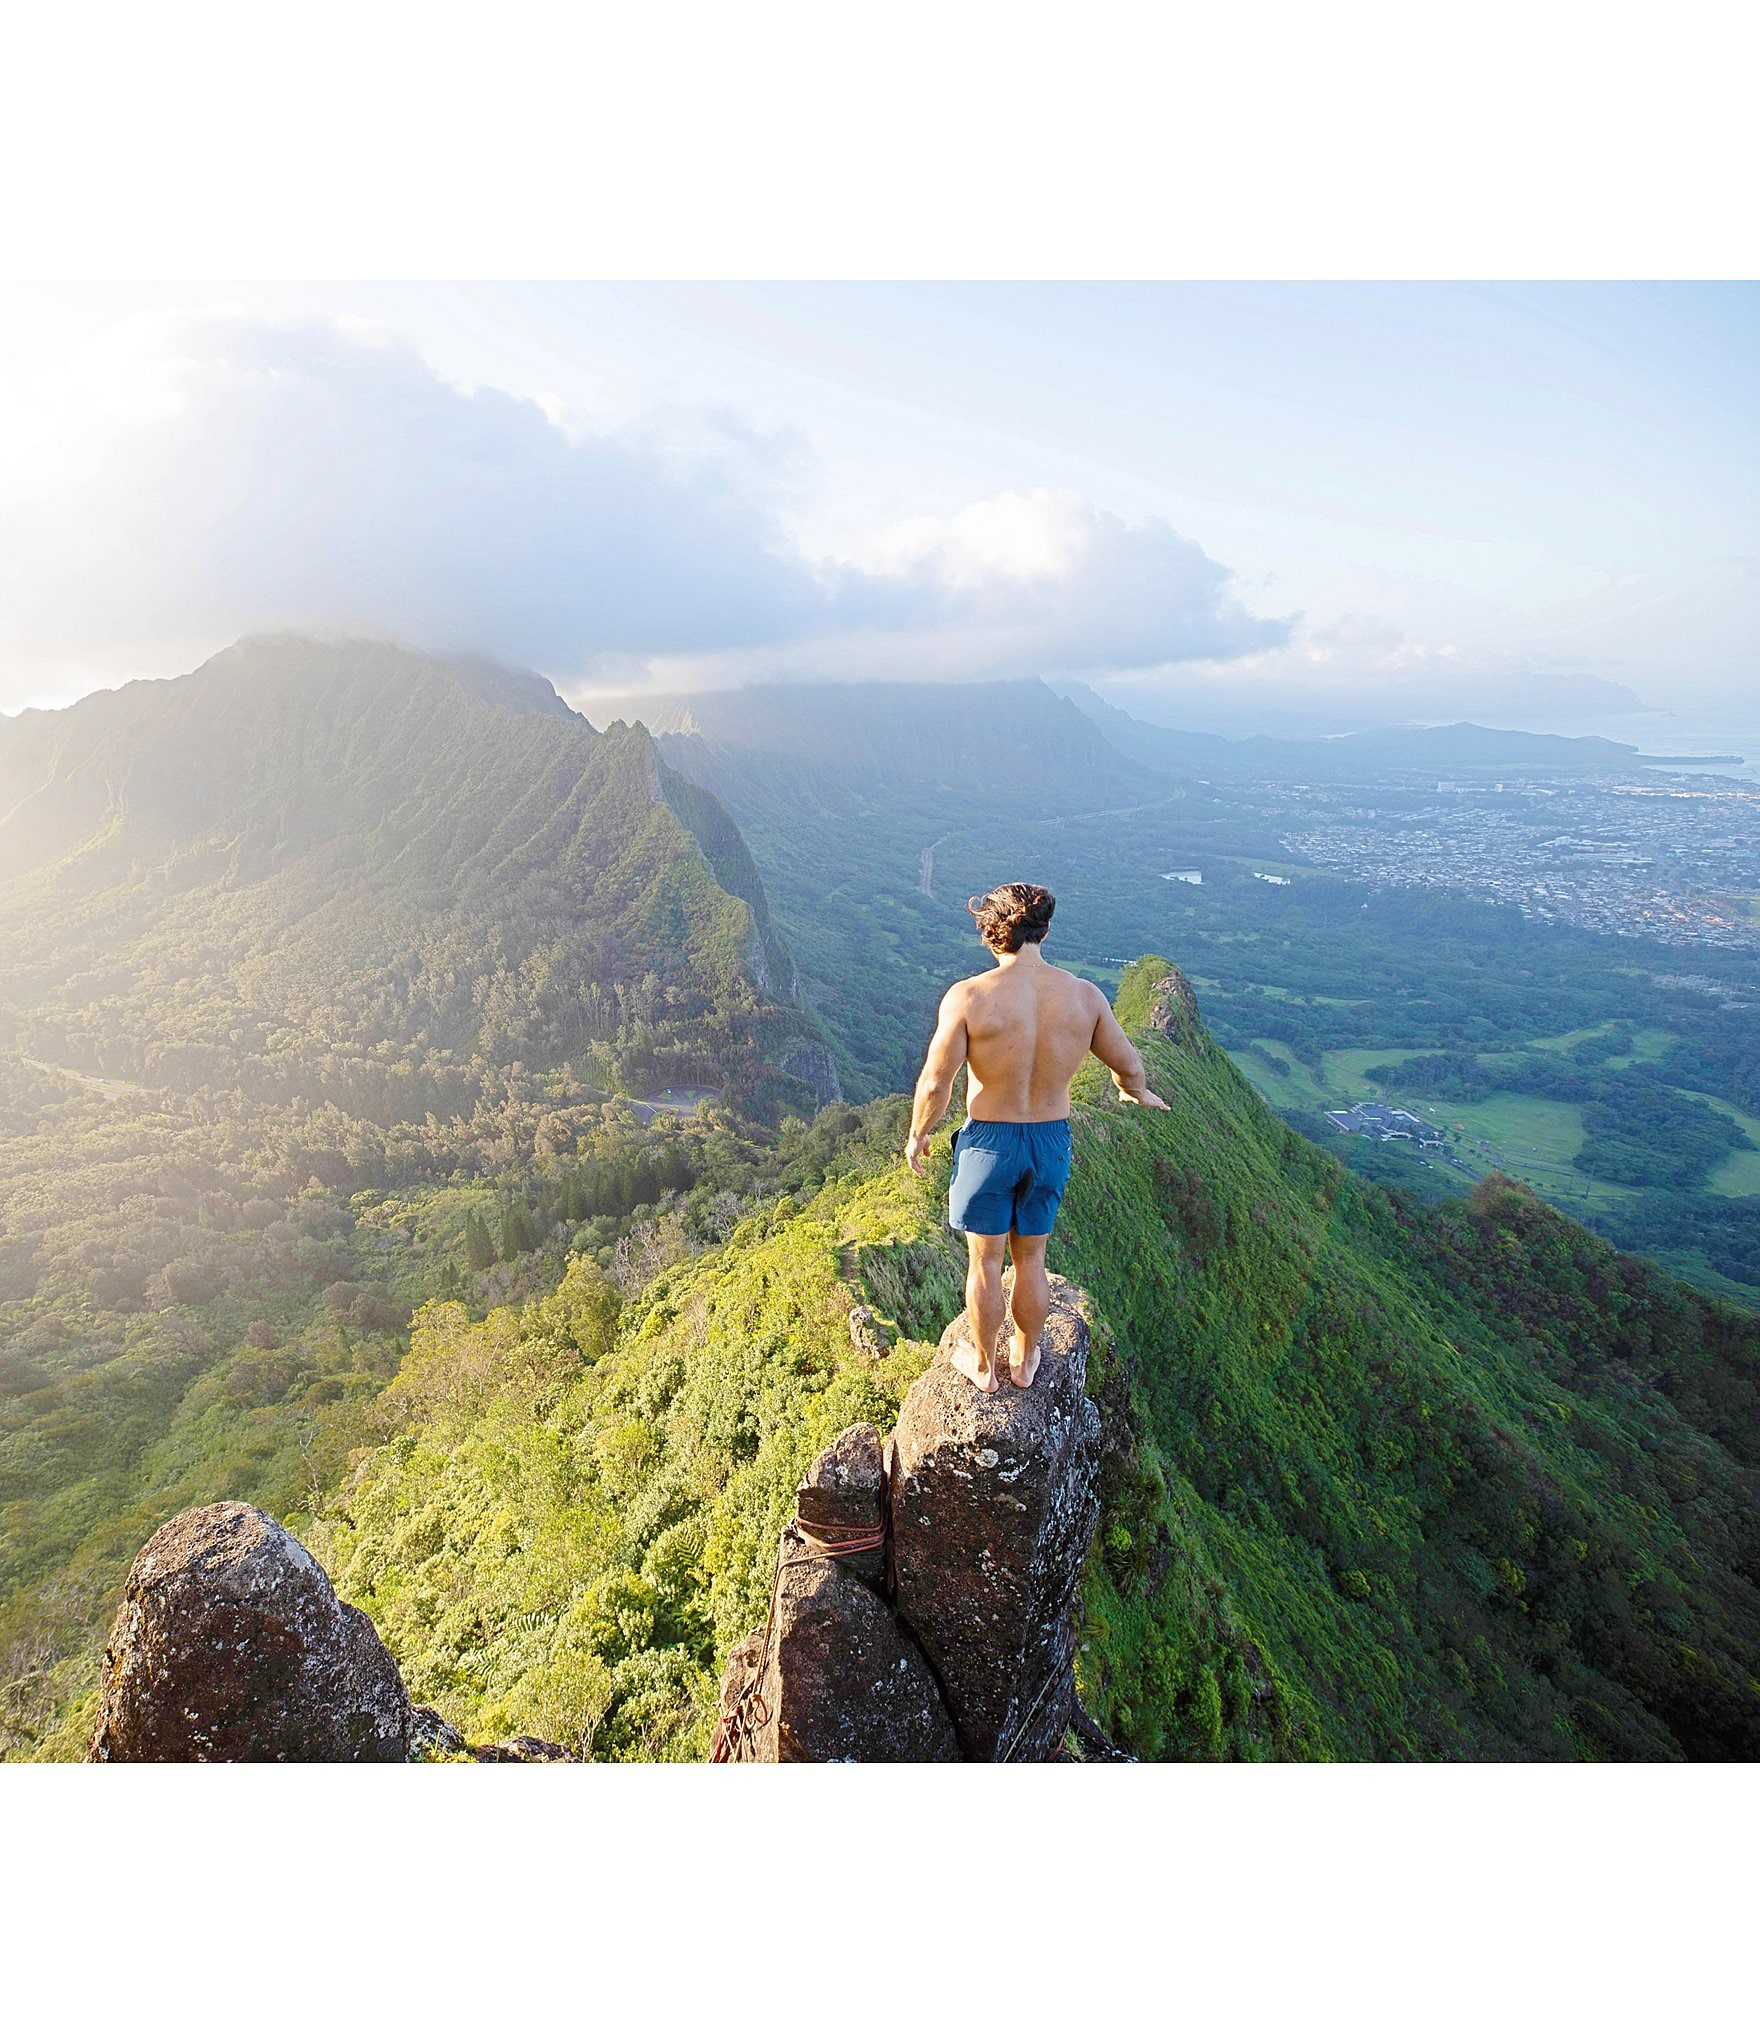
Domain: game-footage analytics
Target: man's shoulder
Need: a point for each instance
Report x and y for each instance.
(1079, 988)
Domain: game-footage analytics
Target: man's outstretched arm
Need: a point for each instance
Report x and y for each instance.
(947, 1051)
(1118, 1052)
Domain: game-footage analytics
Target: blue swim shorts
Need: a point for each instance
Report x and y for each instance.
(1008, 1177)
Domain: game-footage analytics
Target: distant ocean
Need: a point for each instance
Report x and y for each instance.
(1666, 733)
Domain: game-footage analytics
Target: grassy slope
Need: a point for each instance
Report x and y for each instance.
(1449, 1523)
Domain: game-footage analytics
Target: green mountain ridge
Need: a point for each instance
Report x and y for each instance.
(1381, 1481)
(331, 978)
(344, 871)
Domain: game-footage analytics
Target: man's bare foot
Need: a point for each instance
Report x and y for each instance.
(1021, 1372)
(965, 1357)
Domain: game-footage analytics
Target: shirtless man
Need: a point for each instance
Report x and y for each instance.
(1022, 1029)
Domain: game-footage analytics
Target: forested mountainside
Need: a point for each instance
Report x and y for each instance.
(1005, 739)
(334, 978)
(1384, 1480)
(351, 873)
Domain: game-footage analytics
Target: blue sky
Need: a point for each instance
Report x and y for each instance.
(1284, 488)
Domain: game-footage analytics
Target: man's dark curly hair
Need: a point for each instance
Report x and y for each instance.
(1008, 915)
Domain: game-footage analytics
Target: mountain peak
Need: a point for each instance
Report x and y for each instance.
(309, 658)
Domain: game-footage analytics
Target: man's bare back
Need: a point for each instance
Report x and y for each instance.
(1029, 1028)
(1022, 1030)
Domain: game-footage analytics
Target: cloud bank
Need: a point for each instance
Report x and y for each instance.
(185, 480)
(1361, 670)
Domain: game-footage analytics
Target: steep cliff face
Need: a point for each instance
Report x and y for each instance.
(994, 1502)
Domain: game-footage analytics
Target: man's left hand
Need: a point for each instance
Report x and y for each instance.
(914, 1150)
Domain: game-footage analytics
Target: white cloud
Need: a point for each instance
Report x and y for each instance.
(187, 479)
(1047, 579)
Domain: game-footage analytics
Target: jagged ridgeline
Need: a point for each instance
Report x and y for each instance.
(1378, 1481)
(351, 873)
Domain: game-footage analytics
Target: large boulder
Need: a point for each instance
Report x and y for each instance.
(994, 1502)
(842, 1682)
(231, 1647)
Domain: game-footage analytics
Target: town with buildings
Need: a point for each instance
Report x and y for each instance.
(1674, 859)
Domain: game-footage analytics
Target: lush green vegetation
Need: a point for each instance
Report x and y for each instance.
(208, 1322)
(325, 1182)
(1382, 1479)
(335, 972)
(347, 875)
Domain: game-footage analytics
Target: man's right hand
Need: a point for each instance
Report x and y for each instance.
(1143, 1097)
(914, 1150)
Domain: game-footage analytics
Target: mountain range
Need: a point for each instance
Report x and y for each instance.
(1269, 707)
(352, 872)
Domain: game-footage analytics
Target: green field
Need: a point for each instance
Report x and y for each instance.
(1740, 1175)
(1345, 1067)
(1649, 1044)
(1533, 1140)
(1281, 1092)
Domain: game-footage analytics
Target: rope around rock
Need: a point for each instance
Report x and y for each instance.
(739, 1725)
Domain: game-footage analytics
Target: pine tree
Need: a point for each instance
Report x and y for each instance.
(517, 1236)
(479, 1246)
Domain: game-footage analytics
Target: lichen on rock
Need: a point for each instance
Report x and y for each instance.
(232, 1647)
(994, 1502)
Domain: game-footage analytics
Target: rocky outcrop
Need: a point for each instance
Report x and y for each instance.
(841, 1681)
(431, 1738)
(520, 1749)
(867, 1334)
(994, 1502)
(840, 1508)
(231, 1647)
(434, 1740)
(811, 1062)
(985, 1506)
(1173, 1012)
